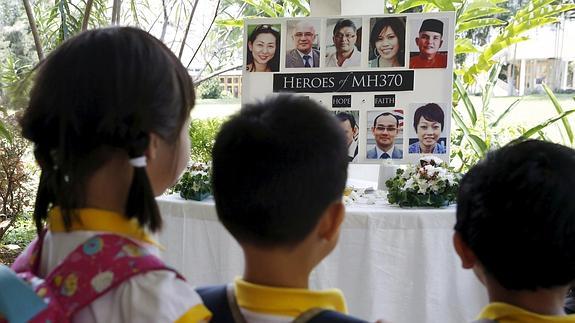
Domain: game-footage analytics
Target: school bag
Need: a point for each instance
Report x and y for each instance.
(95, 267)
(221, 301)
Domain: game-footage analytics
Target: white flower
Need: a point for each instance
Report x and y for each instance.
(408, 184)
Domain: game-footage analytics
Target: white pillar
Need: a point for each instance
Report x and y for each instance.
(564, 73)
(346, 7)
(522, 78)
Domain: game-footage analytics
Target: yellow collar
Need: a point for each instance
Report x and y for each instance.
(286, 301)
(99, 220)
(506, 313)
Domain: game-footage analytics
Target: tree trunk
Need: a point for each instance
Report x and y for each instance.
(34, 29)
(87, 12)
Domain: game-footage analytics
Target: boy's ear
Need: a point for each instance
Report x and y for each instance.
(330, 222)
(467, 256)
(152, 150)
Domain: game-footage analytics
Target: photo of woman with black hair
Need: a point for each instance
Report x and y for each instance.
(263, 49)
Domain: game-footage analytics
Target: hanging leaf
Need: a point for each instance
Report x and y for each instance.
(505, 113)
(464, 46)
(559, 109)
(478, 23)
(546, 123)
(466, 101)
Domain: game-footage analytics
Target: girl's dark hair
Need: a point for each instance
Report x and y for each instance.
(102, 92)
(273, 63)
(398, 26)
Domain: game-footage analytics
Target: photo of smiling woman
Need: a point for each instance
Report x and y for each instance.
(428, 122)
(262, 54)
(387, 42)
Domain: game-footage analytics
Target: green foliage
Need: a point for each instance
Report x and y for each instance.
(210, 89)
(195, 183)
(202, 136)
(22, 232)
(15, 179)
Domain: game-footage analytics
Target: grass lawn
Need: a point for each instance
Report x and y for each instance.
(215, 108)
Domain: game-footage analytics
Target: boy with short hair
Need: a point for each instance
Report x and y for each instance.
(279, 171)
(516, 229)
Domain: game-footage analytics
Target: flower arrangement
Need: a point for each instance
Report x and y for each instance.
(195, 183)
(430, 184)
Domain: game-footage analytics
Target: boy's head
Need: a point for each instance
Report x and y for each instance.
(516, 216)
(277, 166)
(430, 37)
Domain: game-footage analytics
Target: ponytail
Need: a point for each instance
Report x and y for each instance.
(141, 202)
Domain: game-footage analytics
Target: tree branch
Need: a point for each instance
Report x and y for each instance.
(188, 29)
(199, 81)
(205, 34)
(34, 29)
(87, 11)
(166, 20)
(116, 12)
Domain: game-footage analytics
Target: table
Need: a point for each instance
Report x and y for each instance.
(391, 263)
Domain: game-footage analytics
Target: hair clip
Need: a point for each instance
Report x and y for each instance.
(138, 161)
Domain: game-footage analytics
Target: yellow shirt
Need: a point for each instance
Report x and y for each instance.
(505, 313)
(260, 303)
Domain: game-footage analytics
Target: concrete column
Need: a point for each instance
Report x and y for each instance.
(564, 73)
(522, 78)
(346, 7)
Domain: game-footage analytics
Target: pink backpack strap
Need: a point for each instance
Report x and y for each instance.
(28, 260)
(97, 266)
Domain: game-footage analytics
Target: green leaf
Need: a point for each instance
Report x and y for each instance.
(505, 113)
(471, 112)
(4, 132)
(546, 123)
(559, 109)
(464, 45)
(234, 23)
(480, 12)
(444, 5)
(408, 4)
(478, 23)
(477, 147)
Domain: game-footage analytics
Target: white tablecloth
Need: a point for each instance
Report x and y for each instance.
(391, 263)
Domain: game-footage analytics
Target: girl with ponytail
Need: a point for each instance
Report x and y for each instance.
(108, 119)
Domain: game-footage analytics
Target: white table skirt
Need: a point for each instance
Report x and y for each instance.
(391, 263)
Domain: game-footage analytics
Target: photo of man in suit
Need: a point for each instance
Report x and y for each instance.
(385, 129)
(349, 125)
(303, 54)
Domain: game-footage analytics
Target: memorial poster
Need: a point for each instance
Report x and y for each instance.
(387, 78)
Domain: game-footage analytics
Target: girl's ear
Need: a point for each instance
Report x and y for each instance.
(152, 150)
(467, 256)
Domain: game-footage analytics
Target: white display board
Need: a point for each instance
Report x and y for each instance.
(388, 78)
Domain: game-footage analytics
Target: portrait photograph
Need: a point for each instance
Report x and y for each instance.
(428, 43)
(349, 122)
(343, 42)
(263, 48)
(385, 134)
(302, 43)
(387, 42)
(427, 131)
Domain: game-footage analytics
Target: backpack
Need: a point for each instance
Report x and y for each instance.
(221, 301)
(95, 267)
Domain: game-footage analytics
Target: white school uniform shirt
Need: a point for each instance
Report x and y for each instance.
(155, 296)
